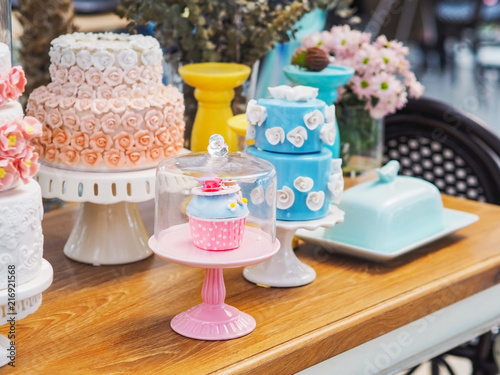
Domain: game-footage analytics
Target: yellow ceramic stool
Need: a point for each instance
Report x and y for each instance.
(214, 90)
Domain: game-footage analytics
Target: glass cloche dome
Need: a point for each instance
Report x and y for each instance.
(218, 195)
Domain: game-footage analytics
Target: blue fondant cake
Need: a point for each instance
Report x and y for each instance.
(306, 183)
(292, 121)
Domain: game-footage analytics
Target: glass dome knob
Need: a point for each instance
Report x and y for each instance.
(217, 147)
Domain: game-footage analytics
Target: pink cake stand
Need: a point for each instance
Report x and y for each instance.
(213, 319)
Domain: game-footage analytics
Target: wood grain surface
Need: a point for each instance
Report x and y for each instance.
(115, 319)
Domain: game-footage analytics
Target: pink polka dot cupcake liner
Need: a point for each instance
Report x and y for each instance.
(213, 234)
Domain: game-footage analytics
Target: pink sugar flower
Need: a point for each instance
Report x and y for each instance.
(8, 174)
(79, 141)
(27, 164)
(69, 156)
(114, 158)
(30, 127)
(143, 139)
(123, 141)
(12, 141)
(100, 141)
(135, 157)
(91, 158)
(17, 82)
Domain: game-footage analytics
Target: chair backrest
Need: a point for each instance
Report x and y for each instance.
(443, 145)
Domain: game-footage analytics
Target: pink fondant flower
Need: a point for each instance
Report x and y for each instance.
(17, 82)
(71, 119)
(79, 141)
(153, 119)
(67, 102)
(85, 92)
(46, 137)
(53, 118)
(131, 121)
(114, 158)
(169, 151)
(30, 127)
(143, 139)
(139, 91)
(8, 174)
(68, 90)
(12, 142)
(51, 153)
(91, 158)
(100, 106)
(27, 164)
(61, 137)
(118, 105)
(135, 157)
(154, 154)
(76, 76)
(212, 185)
(82, 105)
(162, 137)
(121, 91)
(147, 75)
(138, 104)
(133, 75)
(69, 156)
(123, 141)
(100, 141)
(89, 124)
(104, 92)
(110, 122)
(60, 76)
(52, 102)
(113, 76)
(94, 77)
(40, 114)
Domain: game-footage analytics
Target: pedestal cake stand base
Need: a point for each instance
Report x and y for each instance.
(109, 228)
(284, 269)
(213, 319)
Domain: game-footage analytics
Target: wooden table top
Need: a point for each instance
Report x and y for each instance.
(116, 319)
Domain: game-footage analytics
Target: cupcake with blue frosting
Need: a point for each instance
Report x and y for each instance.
(217, 215)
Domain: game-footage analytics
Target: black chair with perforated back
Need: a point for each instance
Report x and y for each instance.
(441, 144)
(461, 156)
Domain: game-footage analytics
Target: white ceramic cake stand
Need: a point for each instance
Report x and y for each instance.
(27, 300)
(213, 319)
(285, 269)
(109, 228)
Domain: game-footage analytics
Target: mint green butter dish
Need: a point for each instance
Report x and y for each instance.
(389, 216)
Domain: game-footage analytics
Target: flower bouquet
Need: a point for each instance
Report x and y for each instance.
(381, 84)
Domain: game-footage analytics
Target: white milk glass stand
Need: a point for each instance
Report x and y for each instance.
(284, 269)
(109, 228)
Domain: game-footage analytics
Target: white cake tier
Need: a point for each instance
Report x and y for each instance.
(104, 59)
(10, 112)
(21, 247)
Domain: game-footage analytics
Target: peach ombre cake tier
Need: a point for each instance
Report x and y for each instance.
(106, 107)
(217, 215)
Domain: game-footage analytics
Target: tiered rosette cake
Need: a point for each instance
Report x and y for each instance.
(106, 107)
(290, 130)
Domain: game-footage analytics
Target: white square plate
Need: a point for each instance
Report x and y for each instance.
(453, 221)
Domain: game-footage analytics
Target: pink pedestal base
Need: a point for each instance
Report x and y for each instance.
(213, 319)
